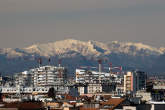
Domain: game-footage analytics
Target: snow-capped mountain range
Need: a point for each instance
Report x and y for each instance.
(128, 54)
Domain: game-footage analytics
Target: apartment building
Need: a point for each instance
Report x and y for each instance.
(38, 78)
(134, 81)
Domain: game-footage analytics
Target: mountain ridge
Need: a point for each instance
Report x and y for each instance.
(60, 47)
(128, 54)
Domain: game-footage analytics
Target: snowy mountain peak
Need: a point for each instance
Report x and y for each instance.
(77, 52)
(86, 48)
(133, 48)
(162, 49)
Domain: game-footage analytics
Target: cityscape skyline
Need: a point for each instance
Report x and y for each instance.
(82, 54)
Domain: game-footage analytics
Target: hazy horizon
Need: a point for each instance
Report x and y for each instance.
(26, 22)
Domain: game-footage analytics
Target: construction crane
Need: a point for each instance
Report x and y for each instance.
(39, 61)
(110, 68)
(113, 68)
(60, 71)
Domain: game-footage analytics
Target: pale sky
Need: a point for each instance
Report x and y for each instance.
(25, 22)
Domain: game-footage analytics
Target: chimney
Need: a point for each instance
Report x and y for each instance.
(59, 62)
(100, 65)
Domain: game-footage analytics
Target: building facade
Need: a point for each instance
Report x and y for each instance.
(39, 78)
(134, 81)
(96, 81)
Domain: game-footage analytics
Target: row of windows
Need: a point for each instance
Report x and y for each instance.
(30, 90)
(92, 91)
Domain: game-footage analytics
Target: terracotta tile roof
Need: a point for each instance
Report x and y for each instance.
(114, 102)
(25, 105)
(68, 97)
(81, 108)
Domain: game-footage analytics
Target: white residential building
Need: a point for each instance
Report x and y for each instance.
(42, 77)
(96, 81)
(94, 88)
(39, 80)
(87, 76)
